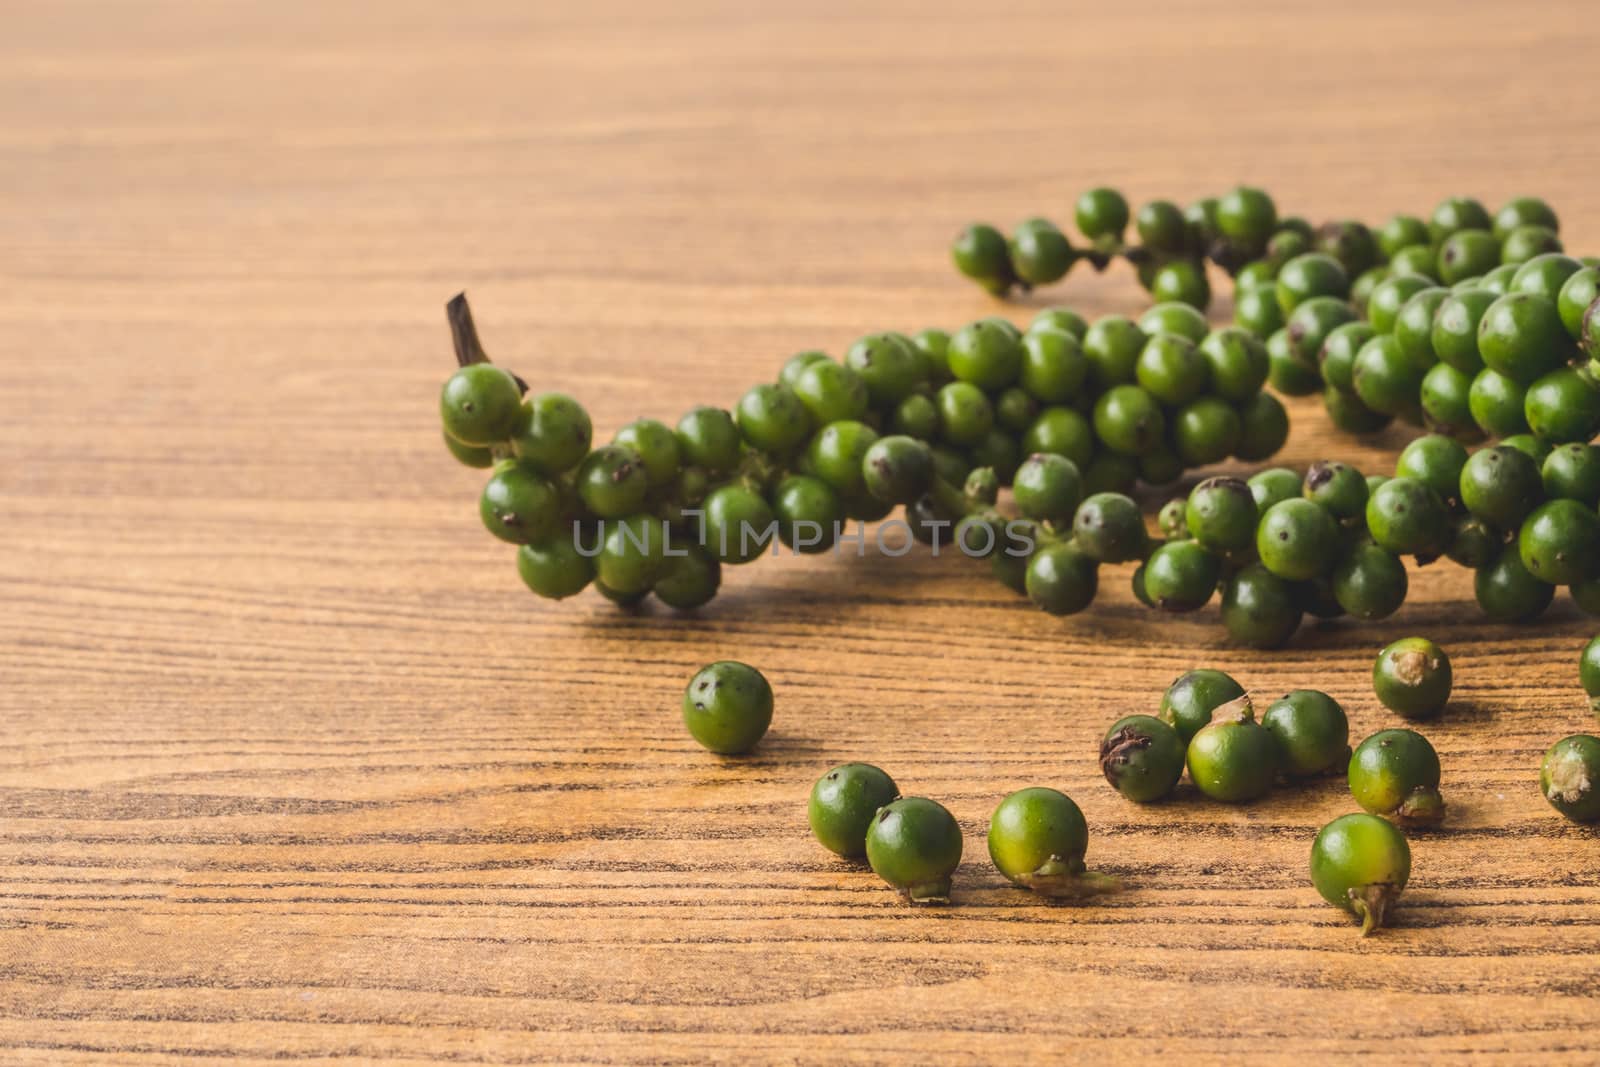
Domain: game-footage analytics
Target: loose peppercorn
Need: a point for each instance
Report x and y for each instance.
(843, 803)
(1361, 864)
(1296, 539)
(1189, 702)
(1038, 838)
(1570, 777)
(1312, 731)
(1559, 542)
(1412, 677)
(727, 707)
(1061, 579)
(914, 844)
(1233, 758)
(1181, 576)
(1142, 757)
(1395, 773)
(1259, 609)
(1370, 582)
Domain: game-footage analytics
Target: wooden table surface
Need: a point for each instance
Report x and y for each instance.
(294, 768)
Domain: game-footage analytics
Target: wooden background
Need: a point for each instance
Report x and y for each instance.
(294, 769)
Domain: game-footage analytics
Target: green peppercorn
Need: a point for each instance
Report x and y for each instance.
(1589, 672)
(1524, 211)
(1188, 703)
(1061, 579)
(914, 844)
(1259, 609)
(830, 391)
(1402, 231)
(708, 438)
(1339, 488)
(1446, 399)
(1385, 379)
(1474, 543)
(1498, 404)
(771, 418)
(1311, 323)
(1040, 253)
(1313, 274)
(897, 469)
(727, 707)
(1506, 592)
(1412, 677)
(1572, 472)
(1038, 838)
(1570, 777)
(1181, 576)
(1109, 528)
(468, 455)
(1247, 217)
(1560, 542)
(1181, 281)
(1454, 336)
(980, 252)
(1500, 485)
(1351, 243)
(1233, 758)
(835, 455)
(738, 523)
(1161, 228)
(985, 354)
(1048, 488)
(1220, 515)
(690, 579)
(1127, 419)
(1413, 326)
(1257, 310)
(789, 373)
(1521, 336)
(1418, 262)
(555, 569)
(1544, 275)
(1312, 731)
(1395, 773)
(1054, 367)
(612, 482)
(1362, 288)
(480, 405)
(1171, 369)
(1296, 539)
(1061, 431)
(916, 416)
(1390, 295)
(1578, 295)
(1286, 371)
(553, 433)
(1060, 318)
(1498, 281)
(1563, 406)
(1263, 428)
(1457, 213)
(1406, 517)
(1533, 447)
(1436, 461)
(1142, 757)
(843, 803)
(1173, 318)
(518, 505)
(891, 366)
(1273, 485)
(1112, 346)
(1338, 354)
(1526, 242)
(1101, 214)
(1369, 582)
(1361, 863)
(965, 413)
(1206, 430)
(1467, 254)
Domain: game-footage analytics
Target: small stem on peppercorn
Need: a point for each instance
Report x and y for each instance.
(464, 334)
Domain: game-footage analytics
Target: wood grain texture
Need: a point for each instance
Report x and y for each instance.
(291, 766)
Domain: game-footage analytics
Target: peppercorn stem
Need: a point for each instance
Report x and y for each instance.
(1422, 807)
(1069, 885)
(1371, 904)
(464, 334)
(929, 892)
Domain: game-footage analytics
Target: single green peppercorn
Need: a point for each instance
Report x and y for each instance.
(1351, 243)
(1446, 399)
(1455, 328)
(1220, 515)
(1560, 542)
(835, 456)
(1570, 777)
(790, 371)
(1258, 311)
(1474, 543)
(1524, 211)
(1206, 430)
(1498, 281)
(1361, 863)
(553, 433)
(1313, 274)
(1544, 275)
(1457, 213)
(1419, 262)
(1578, 295)
(1312, 731)
(1390, 295)
(934, 346)
(689, 580)
(469, 455)
(1506, 592)
(914, 844)
(1162, 229)
(1413, 326)
(1436, 461)
(998, 450)
(1259, 609)
(830, 392)
(1142, 757)
(1534, 448)
(1370, 582)
(1498, 404)
(1263, 428)
(1181, 576)
(1526, 242)
(843, 803)
(1172, 521)
(518, 505)
(1521, 336)
(1297, 539)
(1040, 253)
(1101, 214)
(985, 354)
(1171, 369)
(1054, 367)
(1273, 485)
(1060, 318)
(738, 524)
(1247, 217)
(1038, 838)
(727, 707)
(708, 438)
(1233, 758)
(1572, 472)
(1385, 379)
(1395, 773)
(1339, 349)
(1127, 419)
(1061, 579)
(897, 469)
(1174, 318)
(480, 405)
(1589, 672)
(1362, 288)
(1181, 281)
(1048, 488)
(1500, 485)
(1064, 432)
(1311, 323)
(1467, 254)
(1563, 406)
(1286, 371)
(771, 418)
(1112, 346)
(980, 252)
(1412, 677)
(892, 367)
(965, 413)
(1338, 487)
(916, 416)
(1188, 703)
(556, 569)
(1109, 527)
(656, 446)
(1408, 518)
(1402, 231)
(612, 482)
